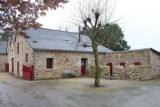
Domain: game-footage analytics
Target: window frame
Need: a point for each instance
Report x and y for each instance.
(137, 63)
(49, 63)
(18, 48)
(26, 57)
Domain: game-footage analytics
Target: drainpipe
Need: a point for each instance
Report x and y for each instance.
(34, 58)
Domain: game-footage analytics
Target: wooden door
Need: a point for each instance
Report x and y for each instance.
(111, 71)
(83, 66)
(12, 65)
(18, 68)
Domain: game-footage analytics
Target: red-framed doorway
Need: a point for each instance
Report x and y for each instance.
(83, 66)
(111, 69)
(17, 68)
(12, 65)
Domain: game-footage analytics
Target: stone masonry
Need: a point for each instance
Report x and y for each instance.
(20, 57)
(62, 61)
(3, 60)
(148, 59)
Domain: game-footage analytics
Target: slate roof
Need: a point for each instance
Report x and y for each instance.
(47, 39)
(3, 47)
(133, 50)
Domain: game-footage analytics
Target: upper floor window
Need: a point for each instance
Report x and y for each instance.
(17, 48)
(137, 63)
(12, 51)
(49, 63)
(26, 59)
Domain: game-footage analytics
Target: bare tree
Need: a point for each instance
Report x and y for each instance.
(93, 15)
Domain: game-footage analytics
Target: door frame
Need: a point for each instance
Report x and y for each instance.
(111, 69)
(12, 65)
(18, 68)
(84, 62)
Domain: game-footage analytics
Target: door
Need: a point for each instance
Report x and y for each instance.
(110, 66)
(12, 65)
(83, 66)
(17, 68)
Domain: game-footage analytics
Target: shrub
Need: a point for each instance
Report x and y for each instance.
(68, 74)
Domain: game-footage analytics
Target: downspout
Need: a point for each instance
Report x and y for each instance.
(34, 58)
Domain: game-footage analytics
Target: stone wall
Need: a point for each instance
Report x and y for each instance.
(128, 58)
(118, 72)
(10, 55)
(23, 49)
(140, 72)
(63, 61)
(155, 63)
(104, 71)
(3, 60)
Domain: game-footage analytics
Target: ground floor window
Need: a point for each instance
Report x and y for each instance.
(122, 64)
(49, 63)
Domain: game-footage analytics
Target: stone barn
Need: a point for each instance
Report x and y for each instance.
(46, 54)
(142, 64)
(3, 55)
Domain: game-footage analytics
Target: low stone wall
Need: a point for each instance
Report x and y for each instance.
(118, 72)
(140, 72)
(104, 71)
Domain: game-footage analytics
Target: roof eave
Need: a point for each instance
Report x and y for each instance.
(60, 50)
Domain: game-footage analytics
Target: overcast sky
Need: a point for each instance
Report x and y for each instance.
(140, 22)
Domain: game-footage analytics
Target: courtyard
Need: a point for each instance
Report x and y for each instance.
(77, 92)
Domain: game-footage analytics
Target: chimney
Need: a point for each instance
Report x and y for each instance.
(79, 33)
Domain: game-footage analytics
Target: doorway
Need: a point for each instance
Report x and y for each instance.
(83, 66)
(13, 65)
(17, 68)
(110, 67)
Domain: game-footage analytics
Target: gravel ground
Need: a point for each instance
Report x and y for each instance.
(77, 92)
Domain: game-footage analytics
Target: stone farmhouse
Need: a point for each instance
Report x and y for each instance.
(3, 55)
(49, 53)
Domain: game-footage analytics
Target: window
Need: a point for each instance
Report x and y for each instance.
(137, 63)
(17, 48)
(122, 64)
(26, 57)
(49, 63)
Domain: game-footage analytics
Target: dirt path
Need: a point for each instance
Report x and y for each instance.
(77, 92)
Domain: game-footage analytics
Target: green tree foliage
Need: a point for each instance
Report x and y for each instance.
(113, 38)
(4, 36)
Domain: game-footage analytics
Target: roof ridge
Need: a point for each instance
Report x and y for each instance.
(58, 30)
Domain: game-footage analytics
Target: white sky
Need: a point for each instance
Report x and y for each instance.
(140, 22)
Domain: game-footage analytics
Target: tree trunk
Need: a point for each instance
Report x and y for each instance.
(97, 66)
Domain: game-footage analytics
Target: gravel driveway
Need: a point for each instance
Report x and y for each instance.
(77, 92)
